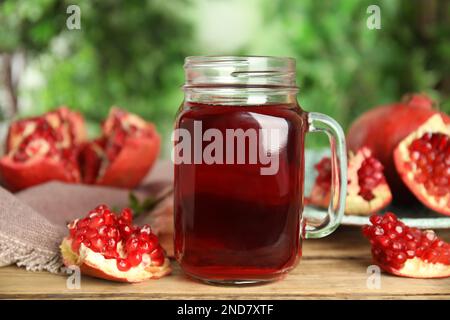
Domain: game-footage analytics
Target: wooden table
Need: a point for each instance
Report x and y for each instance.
(334, 267)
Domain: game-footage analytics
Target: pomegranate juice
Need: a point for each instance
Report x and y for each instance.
(231, 220)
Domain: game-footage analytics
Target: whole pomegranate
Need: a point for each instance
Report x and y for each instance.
(382, 128)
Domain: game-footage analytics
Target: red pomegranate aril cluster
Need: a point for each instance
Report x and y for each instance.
(120, 130)
(102, 231)
(323, 168)
(393, 243)
(43, 133)
(45, 136)
(370, 175)
(431, 155)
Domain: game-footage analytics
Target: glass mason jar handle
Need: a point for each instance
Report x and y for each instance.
(322, 123)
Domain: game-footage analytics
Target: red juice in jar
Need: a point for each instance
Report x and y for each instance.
(236, 222)
(239, 170)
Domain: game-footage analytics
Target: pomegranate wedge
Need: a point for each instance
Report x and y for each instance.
(422, 160)
(405, 251)
(367, 190)
(124, 154)
(108, 246)
(42, 149)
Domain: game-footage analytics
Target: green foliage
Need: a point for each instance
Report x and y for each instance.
(28, 24)
(127, 53)
(130, 53)
(344, 68)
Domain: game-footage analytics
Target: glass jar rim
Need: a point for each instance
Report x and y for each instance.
(259, 71)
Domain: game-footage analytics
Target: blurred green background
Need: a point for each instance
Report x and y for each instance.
(130, 53)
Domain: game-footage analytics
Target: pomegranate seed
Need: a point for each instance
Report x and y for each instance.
(98, 244)
(366, 230)
(102, 208)
(375, 219)
(123, 265)
(400, 258)
(87, 243)
(390, 217)
(126, 230)
(143, 237)
(111, 254)
(96, 222)
(132, 244)
(111, 244)
(91, 233)
(92, 215)
(157, 257)
(127, 215)
(146, 229)
(134, 258)
(430, 235)
(112, 232)
(109, 218)
(102, 231)
(384, 241)
(398, 229)
(83, 223)
(82, 230)
(76, 243)
(378, 231)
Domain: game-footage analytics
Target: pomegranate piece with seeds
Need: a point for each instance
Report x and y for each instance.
(109, 246)
(124, 154)
(367, 190)
(405, 251)
(422, 160)
(68, 125)
(42, 149)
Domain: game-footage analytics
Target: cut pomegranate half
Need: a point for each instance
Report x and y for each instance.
(108, 246)
(405, 251)
(42, 149)
(367, 190)
(422, 160)
(124, 154)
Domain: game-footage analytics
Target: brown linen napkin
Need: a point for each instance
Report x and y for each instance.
(33, 222)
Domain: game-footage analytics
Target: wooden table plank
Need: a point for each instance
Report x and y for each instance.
(334, 267)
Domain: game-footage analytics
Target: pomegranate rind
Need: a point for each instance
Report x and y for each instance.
(405, 166)
(355, 204)
(132, 164)
(135, 159)
(18, 176)
(95, 265)
(419, 269)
